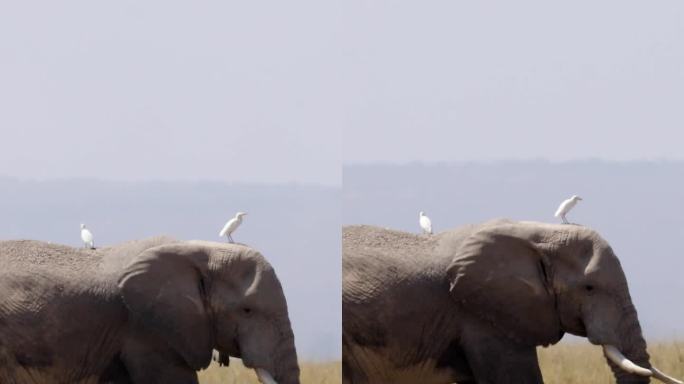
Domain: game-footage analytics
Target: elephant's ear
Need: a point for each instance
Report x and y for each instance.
(164, 289)
(507, 282)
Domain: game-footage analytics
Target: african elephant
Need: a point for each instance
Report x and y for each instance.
(471, 305)
(148, 311)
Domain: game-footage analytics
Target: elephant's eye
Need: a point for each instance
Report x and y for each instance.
(247, 310)
(589, 287)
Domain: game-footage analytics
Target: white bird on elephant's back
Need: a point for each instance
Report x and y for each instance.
(565, 207)
(425, 223)
(231, 226)
(87, 237)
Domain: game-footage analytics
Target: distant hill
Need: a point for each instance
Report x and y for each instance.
(637, 206)
(296, 227)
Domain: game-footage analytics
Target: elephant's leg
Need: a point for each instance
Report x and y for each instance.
(352, 368)
(495, 359)
(350, 375)
(163, 374)
(115, 373)
(346, 374)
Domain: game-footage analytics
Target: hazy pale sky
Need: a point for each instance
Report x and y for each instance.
(234, 91)
(468, 80)
(284, 92)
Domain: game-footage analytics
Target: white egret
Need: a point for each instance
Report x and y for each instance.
(425, 223)
(87, 237)
(565, 207)
(231, 226)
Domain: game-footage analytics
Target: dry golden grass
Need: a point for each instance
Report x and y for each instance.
(236, 373)
(581, 363)
(566, 363)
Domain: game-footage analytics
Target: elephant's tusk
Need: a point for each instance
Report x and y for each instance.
(626, 364)
(663, 377)
(264, 376)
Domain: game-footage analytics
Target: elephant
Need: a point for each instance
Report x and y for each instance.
(146, 311)
(471, 305)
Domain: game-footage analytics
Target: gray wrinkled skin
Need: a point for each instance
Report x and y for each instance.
(147, 311)
(470, 305)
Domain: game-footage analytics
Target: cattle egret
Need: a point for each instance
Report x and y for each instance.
(565, 207)
(231, 226)
(87, 237)
(425, 223)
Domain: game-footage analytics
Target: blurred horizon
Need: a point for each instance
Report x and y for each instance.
(515, 160)
(256, 183)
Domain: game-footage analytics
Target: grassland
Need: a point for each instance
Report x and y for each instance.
(311, 373)
(582, 363)
(571, 363)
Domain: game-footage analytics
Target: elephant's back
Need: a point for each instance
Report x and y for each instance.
(52, 300)
(374, 259)
(35, 274)
(30, 255)
(119, 256)
(361, 239)
(38, 256)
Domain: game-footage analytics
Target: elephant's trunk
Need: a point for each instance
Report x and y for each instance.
(633, 346)
(629, 359)
(287, 367)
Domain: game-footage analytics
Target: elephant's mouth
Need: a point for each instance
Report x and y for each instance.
(232, 349)
(222, 355)
(263, 374)
(581, 329)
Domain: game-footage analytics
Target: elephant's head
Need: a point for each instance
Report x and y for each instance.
(532, 282)
(200, 296)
